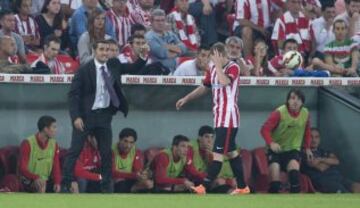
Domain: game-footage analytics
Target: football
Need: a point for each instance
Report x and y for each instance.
(292, 59)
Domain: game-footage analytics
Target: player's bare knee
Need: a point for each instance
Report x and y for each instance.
(293, 165)
(233, 154)
(218, 157)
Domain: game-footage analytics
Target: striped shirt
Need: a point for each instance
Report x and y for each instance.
(121, 25)
(287, 27)
(141, 16)
(55, 65)
(225, 98)
(256, 11)
(26, 27)
(341, 52)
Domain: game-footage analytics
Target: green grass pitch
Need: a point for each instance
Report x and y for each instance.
(13, 200)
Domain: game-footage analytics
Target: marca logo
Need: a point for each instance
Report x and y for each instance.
(298, 82)
(169, 80)
(37, 79)
(133, 80)
(17, 78)
(317, 82)
(335, 82)
(353, 82)
(281, 82)
(57, 79)
(69, 79)
(262, 82)
(245, 81)
(2, 78)
(188, 81)
(150, 80)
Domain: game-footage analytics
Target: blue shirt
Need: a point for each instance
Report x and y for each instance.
(158, 50)
(79, 22)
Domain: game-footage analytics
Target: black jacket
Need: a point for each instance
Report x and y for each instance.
(83, 87)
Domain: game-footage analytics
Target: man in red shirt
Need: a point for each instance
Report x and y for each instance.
(223, 78)
(173, 168)
(128, 166)
(87, 167)
(39, 159)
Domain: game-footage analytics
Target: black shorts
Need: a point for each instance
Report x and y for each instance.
(225, 140)
(283, 158)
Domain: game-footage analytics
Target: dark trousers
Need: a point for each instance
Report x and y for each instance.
(97, 123)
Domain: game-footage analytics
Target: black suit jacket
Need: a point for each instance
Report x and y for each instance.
(83, 87)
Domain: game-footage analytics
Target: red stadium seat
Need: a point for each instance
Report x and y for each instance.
(9, 157)
(247, 161)
(230, 19)
(70, 64)
(262, 179)
(31, 57)
(150, 153)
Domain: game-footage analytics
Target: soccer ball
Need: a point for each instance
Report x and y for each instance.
(292, 59)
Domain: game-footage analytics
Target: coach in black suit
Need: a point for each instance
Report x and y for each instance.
(95, 96)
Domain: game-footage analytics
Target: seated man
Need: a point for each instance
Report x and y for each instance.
(39, 159)
(7, 50)
(165, 46)
(128, 165)
(234, 48)
(342, 54)
(197, 66)
(323, 171)
(137, 43)
(285, 131)
(173, 168)
(87, 167)
(48, 58)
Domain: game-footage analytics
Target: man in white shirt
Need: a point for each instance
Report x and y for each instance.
(351, 16)
(197, 66)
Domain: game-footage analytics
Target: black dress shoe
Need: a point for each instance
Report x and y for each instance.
(65, 189)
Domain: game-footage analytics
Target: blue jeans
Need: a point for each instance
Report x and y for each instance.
(315, 73)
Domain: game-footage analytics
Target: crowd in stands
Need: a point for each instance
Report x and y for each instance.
(179, 32)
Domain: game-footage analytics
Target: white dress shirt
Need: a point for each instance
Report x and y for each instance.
(102, 97)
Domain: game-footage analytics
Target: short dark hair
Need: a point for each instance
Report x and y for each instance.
(179, 138)
(4, 12)
(298, 93)
(290, 40)
(327, 4)
(339, 21)
(45, 121)
(51, 38)
(97, 42)
(133, 37)
(220, 47)
(204, 47)
(113, 42)
(137, 27)
(126, 132)
(205, 130)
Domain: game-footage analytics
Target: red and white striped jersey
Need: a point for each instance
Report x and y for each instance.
(287, 27)
(276, 63)
(257, 11)
(55, 65)
(122, 26)
(132, 4)
(225, 98)
(141, 17)
(26, 27)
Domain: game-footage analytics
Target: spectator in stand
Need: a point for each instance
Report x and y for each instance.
(292, 24)
(79, 21)
(142, 13)
(342, 53)
(322, 30)
(69, 6)
(285, 131)
(114, 49)
(39, 159)
(49, 57)
(137, 43)
(252, 22)
(8, 23)
(36, 6)
(323, 169)
(51, 21)
(312, 8)
(183, 24)
(8, 50)
(87, 167)
(351, 17)
(128, 165)
(170, 166)
(234, 47)
(26, 25)
(204, 13)
(165, 46)
(197, 66)
(96, 31)
(121, 20)
(258, 62)
(136, 29)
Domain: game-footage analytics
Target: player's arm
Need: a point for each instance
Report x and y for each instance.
(331, 160)
(198, 92)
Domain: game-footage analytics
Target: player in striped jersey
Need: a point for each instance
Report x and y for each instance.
(223, 79)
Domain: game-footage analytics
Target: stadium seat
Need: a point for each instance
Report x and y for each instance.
(9, 157)
(70, 64)
(262, 180)
(247, 161)
(150, 153)
(31, 57)
(230, 19)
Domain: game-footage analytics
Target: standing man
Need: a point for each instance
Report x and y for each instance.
(223, 78)
(95, 96)
(286, 129)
